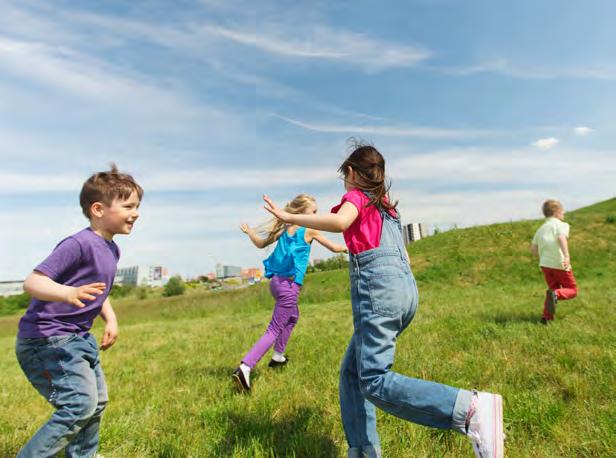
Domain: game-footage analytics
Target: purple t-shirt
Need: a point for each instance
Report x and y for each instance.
(78, 260)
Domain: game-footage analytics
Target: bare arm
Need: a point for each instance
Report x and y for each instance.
(330, 222)
(254, 237)
(331, 246)
(110, 334)
(41, 287)
(564, 247)
(534, 250)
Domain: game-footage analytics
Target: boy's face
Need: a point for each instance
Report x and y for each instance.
(120, 216)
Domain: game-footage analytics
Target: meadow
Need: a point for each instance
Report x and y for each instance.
(477, 326)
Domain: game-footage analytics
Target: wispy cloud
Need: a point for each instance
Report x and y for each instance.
(582, 130)
(324, 43)
(395, 131)
(176, 180)
(506, 67)
(82, 75)
(545, 143)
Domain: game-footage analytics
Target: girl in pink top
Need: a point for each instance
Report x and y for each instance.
(384, 300)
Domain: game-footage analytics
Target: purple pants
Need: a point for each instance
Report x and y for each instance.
(284, 319)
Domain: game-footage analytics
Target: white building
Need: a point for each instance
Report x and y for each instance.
(413, 232)
(11, 288)
(223, 271)
(142, 275)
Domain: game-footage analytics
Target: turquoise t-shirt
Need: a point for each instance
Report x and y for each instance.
(290, 257)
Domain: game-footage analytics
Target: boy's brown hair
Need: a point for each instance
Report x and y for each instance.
(550, 207)
(105, 187)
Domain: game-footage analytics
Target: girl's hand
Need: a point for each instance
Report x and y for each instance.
(271, 207)
(245, 228)
(110, 335)
(85, 292)
(342, 249)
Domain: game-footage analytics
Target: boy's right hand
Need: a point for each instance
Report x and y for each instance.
(245, 228)
(84, 292)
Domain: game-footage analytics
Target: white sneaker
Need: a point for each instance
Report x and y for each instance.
(486, 426)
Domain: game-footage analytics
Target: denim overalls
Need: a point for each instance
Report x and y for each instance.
(384, 299)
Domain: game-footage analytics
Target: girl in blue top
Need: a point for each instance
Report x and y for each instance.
(286, 267)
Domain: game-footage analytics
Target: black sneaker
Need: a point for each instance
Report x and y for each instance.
(544, 321)
(240, 380)
(274, 363)
(552, 298)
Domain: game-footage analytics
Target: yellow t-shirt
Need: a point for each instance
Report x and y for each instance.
(546, 238)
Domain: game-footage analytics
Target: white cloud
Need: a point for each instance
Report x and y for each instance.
(397, 131)
(176, 180)
(324, 43)
(582, 130)
(546, 143)
(512, 69)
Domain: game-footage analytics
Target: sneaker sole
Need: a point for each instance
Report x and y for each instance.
(239, 384)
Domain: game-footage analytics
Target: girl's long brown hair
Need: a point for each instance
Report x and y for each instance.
(369, 167)
(274, 227)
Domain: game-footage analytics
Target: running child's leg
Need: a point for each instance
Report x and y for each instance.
(70, 387)
(283, 338)
(553, 284)
(416, 400)
(279, 320)
(87, 440)
(358, 414)
(568, 286)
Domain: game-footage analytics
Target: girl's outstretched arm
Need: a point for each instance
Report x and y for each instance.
(330, 222)
(254, 237)
(331, 246)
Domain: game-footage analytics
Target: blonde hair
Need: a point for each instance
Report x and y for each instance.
(550, 207)
(273, 228)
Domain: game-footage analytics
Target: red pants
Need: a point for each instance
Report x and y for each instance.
(562, 282)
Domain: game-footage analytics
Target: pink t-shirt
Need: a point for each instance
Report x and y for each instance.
(365, 232)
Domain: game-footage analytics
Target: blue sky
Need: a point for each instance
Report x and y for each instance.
(482, 109)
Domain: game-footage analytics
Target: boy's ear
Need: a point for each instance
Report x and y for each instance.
(96, 209)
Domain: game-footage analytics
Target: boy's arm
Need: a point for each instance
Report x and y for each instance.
(331, 246)
(564, 246)
(110, 334)
(534, 249)
(330, 222)
(41, 287)
(254, 237)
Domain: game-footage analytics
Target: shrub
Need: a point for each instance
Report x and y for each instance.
(118, 291)
(15, 303)
(610, 219)
(174, 287)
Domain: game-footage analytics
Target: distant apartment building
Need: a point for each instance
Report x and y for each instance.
(413, 232)
(142, 275)
(223, 271)
(11, 288)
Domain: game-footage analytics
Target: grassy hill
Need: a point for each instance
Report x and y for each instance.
(477, 326)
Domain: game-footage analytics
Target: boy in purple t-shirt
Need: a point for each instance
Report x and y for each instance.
(69, 290)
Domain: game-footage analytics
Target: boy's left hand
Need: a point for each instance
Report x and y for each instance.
(110, 335)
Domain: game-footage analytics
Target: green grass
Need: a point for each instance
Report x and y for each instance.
(480, 300)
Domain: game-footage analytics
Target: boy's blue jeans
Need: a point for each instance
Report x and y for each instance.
(384, 300)
(66, 371)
